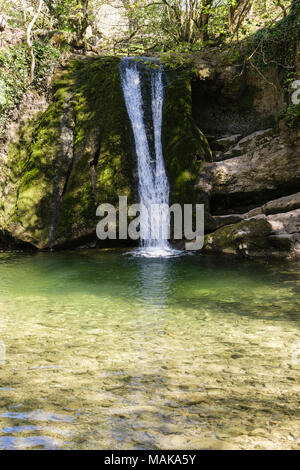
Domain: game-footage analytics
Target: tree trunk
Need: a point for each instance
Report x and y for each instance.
(204, 26)
(83, 24)
(237, 14)
(29, 41)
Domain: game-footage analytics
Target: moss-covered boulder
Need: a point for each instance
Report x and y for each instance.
(246, 238)
(259, 235)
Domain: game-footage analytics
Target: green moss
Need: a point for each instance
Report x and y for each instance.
(185, 146)
(74, 157)
(101, 141)
(290, 116)
(276, 47)
(248, 237)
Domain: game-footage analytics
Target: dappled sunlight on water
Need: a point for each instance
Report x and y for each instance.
(111, 351)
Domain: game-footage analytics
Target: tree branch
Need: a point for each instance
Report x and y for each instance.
(29, 41)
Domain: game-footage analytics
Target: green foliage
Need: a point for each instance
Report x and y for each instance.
(15, 73)
(276, 46)
(177, 61)
(290, 116)
(189, 26)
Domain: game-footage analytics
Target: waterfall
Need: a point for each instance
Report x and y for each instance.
(153, 186)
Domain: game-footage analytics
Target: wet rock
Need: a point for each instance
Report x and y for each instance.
(227, 101)
(257, 432)
(281, 241)
(217, 156)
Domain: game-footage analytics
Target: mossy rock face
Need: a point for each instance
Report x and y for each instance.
(185, 147)
(76, 156)
(80, 153)
(103, 163)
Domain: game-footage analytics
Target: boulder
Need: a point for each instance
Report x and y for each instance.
(261, 235)
(283, 204)
(248, 143)
(265, 172)
(247, 238)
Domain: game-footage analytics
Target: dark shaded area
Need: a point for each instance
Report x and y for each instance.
(240, 202)
(227, 107)
(8, 242)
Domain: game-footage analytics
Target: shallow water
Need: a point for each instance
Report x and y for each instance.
(105, 350)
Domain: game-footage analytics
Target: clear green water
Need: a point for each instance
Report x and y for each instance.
(109, 351)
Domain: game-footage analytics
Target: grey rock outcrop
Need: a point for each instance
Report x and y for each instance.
(253, 197)
(268, 168)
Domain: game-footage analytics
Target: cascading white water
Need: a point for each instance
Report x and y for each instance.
(153, 182)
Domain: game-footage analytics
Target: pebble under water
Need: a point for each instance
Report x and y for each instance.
(102, 350)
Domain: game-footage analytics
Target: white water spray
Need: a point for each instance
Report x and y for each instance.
(153, 182)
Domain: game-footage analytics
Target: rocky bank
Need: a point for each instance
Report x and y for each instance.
(253, 194)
